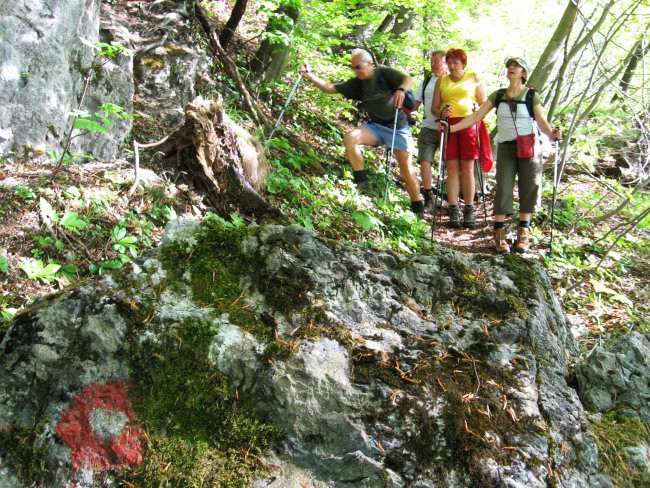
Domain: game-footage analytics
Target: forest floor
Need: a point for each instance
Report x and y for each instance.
(117, 227)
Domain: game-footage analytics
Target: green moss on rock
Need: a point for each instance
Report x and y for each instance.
(20, 450)
(613, 434)
(201, 432)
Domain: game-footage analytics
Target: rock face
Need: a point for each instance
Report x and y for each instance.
(271, 358)
(618, 376)
(42, 62)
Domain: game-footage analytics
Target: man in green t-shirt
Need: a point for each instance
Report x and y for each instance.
(381, 91)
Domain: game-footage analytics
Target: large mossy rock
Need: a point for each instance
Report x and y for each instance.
(265, 357)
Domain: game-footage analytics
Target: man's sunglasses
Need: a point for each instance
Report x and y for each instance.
(358, 66)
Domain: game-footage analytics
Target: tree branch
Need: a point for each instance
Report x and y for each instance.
(231, 68)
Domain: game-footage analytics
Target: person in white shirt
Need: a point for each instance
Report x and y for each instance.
(514, 119)
(428, 139)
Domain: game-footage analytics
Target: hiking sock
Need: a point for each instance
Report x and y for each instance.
(359, 175)
(499, 225)
(524, 223)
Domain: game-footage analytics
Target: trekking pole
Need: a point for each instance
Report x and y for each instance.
(440, 180)
(555, 184)
(286, 104)
(389, 165)
(481, 182)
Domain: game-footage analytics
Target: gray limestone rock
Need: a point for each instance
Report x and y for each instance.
(617, 375)
(379, 370)
(42, 64)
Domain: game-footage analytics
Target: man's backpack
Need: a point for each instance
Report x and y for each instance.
(409, 99)
(425, 82)
(528, 100)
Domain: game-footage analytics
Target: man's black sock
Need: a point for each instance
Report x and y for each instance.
(417, 207)
(359, 175)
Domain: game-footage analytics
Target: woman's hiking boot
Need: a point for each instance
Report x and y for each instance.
(500, 241)
(469, 221)
(454, 216)
(523, 240)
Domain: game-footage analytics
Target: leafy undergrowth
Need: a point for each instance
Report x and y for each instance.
(56, 233)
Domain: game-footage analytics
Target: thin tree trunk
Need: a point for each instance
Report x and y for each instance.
(229, 29)
(403, 22)
(271, 57)
(546, 62)
(388, 20)
(638, 53)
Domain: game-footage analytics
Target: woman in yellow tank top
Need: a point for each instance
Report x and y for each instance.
(455, 97)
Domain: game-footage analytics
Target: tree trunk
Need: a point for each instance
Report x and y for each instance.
(546, 62)
(271, 58)
(388, 20)
(639, 51)
(229, 29)
(403, 22)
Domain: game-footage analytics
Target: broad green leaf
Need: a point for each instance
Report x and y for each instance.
(600, 287)
(127, 241)
(89, 125)
(72, 221)
(4, 264)
(8, 313)
(622, 299)
(86, 42)
(366, 220)
(47, 212)
(117, 234)
(36, 270)
(79, 113)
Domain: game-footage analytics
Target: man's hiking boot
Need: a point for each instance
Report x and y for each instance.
(454, 216)
(428, 199)
(500, 241)
(523, 240)
(469, 221)
(363, 187)
(417, 207)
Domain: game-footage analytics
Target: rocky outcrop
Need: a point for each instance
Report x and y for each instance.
(42, 66)
(617, 376)
(267, 356)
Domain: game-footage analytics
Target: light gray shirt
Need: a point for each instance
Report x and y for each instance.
(429, 121)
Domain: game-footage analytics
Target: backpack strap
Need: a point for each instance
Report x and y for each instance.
(530, 94)
(528, 100)
(500, 94)
(425, 82)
